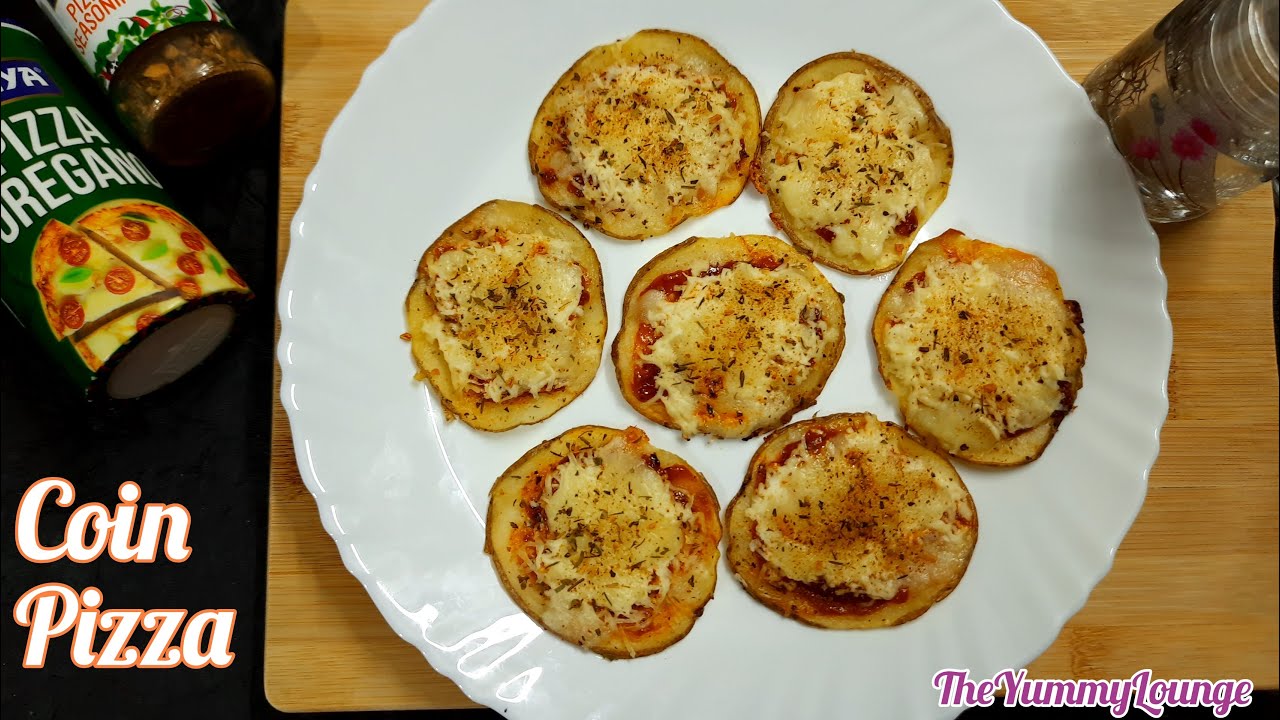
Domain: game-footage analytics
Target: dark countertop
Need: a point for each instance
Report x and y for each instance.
(202, 442)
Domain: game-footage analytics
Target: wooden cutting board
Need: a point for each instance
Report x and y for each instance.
(1193, 592)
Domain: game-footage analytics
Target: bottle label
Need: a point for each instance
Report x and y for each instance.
(104, 32)
(93, 258)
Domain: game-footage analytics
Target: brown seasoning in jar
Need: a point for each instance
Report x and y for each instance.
(192, 90)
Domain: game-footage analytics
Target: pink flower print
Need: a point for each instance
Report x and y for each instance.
(1187, 145)
(1204, 131)
(1144, 148)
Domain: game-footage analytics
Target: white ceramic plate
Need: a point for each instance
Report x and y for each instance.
(439, 125)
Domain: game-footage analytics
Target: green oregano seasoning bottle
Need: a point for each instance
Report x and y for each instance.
(117, 288)
(181, 78)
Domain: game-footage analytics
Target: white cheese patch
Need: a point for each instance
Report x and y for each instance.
(988, 374)
(819, 518)
(650, 138)
(507, 313)
(616, 533)
(747, 335)
(853, 164)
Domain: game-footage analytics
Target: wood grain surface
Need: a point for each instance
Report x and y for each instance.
(1193, 592)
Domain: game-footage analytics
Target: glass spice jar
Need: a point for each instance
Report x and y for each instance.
(182, 79)
(192, 90)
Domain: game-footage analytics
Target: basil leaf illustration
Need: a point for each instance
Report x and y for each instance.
(75, 275)
(136, 216)
(155, 250)
(214, 263)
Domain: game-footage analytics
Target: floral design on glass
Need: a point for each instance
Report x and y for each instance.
(1166, 160)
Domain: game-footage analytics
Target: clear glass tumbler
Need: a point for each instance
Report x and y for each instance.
(1192, 105)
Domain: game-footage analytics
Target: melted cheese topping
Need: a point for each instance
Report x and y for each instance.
(647, 139)
(615, 534)
(506, 315)
(860, 517)
(846, 159)
(734, 345)
(977, 356)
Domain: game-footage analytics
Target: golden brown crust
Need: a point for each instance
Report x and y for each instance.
(692, 586)
(806, 236)
(714, 385)
(880, 511)
(569, 187)
(477, 229)
(1041, 306)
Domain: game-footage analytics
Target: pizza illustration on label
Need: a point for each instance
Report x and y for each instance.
(162, 244)
(120, 267)
(80, 281)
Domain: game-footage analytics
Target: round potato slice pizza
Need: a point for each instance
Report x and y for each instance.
(982, 351)
(605, 540)
(506, 318)
(853, 160)
(727, 336)
(644, 133)
(847, 522)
